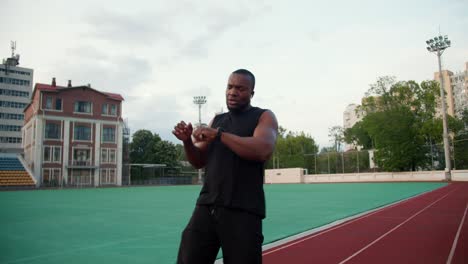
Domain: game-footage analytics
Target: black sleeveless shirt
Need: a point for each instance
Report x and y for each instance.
(230, 180)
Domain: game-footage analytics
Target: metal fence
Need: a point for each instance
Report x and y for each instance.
(163, 176)
(324, 163)
(364, 160)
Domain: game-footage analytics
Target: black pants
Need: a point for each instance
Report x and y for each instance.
(238, 233)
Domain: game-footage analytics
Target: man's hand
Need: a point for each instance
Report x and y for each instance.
(183, 131)
(196, 154)
(205, 134)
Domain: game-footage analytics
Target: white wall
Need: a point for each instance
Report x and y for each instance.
(460, 175)
(291, 175)
(296, 175)
(377, 177)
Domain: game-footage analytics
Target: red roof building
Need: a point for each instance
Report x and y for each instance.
(72, 135)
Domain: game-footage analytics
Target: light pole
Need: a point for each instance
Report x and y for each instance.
(438, 45)
(199, 100)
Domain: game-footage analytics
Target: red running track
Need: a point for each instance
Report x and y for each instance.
(430, 228)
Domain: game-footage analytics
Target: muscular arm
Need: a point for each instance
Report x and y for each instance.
(261, 145)
(196, 155)
(195, 151)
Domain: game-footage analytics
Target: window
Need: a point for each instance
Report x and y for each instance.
(107, 176)
(83, 107)
(104, 155)
(58, 104)
(52, 154)
(12, 104)
(109, 109)
(113, 110)
(10, 128)
(14, 71)
(81, 157)
(9, 92)
(108, 155)
(81, 132)
(52, 131)
(10, 140)
(48, 104)
(111, 155)
(108, 134)
(105, 109)
(47, 154)
(11, 116)
(46, 175)
(81, 177)
(51, 176)
(14, 81)
(57, 155)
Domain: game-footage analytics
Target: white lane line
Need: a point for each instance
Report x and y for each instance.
(395, 228)
(347, 223)
(455, 241)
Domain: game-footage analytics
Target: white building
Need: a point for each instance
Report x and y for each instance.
(456, 91)
(460, 90)
(15, 93)
(351, 116)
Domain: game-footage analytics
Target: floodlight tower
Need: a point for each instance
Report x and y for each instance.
(199, 100)
(438, 45)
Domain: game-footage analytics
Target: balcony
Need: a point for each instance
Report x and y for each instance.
(81, 164)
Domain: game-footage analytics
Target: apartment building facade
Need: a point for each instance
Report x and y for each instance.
(460, 90)
(15, 92)
(72, 136)
(456, 91)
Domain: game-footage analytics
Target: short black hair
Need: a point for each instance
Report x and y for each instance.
(247, 73)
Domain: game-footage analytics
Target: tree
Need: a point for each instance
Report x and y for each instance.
(460, 143)
(358, 136)
(335, 133)
(140, 148)
(164, 152)
(180, 152)
(147, 147)
(464, 119)
(399, 121)
(396, 139)
(282, 132)
(292, 150)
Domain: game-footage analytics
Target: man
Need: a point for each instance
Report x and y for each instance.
(231, 205)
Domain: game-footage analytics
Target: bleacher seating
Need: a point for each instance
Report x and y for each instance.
(12, 173)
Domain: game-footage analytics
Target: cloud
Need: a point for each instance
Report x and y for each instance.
(157, 114)
(123, 30)
(179, 30)
(119, 74)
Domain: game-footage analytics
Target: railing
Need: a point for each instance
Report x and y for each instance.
(81, 163)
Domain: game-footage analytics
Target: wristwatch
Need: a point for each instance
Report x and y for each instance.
(218, 134)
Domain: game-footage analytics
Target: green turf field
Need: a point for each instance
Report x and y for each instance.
(143, 224)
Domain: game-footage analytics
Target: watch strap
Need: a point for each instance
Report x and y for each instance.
(218, 134)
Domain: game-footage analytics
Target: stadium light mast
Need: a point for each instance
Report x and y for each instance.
(438, 45)
(199, 100)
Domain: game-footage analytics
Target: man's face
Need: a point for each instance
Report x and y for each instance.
(238, 92)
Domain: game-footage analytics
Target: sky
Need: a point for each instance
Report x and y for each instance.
(311, 58)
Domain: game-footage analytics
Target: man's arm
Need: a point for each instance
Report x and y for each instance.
(195, 151)
(259, 147)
